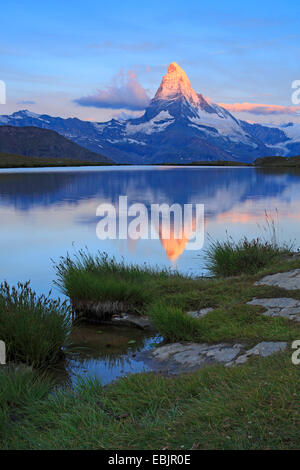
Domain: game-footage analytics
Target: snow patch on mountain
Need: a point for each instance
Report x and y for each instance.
(292, 131)
(157, 124)
(224, 125)
(99, 126)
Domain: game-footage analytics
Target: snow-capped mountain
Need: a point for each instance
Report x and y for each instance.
(179, 125)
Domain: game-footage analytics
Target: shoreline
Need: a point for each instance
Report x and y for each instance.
(41, 163)
(223, 371)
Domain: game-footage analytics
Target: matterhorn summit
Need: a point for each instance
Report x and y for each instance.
(176, 84)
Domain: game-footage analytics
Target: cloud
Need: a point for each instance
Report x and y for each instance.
(124, 116)
(125, 92)
(26, 102)
(261, 109)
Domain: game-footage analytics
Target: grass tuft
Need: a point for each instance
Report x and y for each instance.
(172, 323)
(231, 258)
(34, 328)
(100, 278)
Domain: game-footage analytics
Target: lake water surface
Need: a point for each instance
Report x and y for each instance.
(46, 213)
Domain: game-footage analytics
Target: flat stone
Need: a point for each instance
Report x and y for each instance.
(193, 355)
(279, 307)
(266, 348)
(263, 349)
(177, 358)
(200, 313)
(289, 280)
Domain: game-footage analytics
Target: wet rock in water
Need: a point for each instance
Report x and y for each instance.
(288, 280)
(263, 349)
(200, 313)
(279, 307)
(137, 321)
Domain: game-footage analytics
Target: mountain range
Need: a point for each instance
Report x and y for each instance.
(178, 126)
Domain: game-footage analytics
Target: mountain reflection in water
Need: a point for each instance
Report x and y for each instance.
(47, 213)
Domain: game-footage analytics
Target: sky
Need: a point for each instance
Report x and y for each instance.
(96, 59)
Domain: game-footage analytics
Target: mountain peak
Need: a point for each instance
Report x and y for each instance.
(174, 67)
(176, 84)
(25, 113)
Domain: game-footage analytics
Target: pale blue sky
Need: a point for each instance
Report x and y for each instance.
(52, 53)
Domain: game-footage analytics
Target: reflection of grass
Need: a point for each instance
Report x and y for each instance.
(250, 407)
(33, 328)
(109, 346)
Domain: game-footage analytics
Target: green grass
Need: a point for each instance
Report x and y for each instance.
(100, 278)
(34, 328)
(231, 258)
(166, 297)
(278, 162)
(172, 324)
(19, 388)
(233, 322)
(254, 406)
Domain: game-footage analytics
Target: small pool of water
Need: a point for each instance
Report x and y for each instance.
(105, 352)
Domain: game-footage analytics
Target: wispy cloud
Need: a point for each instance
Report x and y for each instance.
(125, 92)
(26, 102)
(261, 109)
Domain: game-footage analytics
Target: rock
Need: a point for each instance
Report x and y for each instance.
(266, 348)
(200, 313)
(263, 349)
(289, 280)
(178, 357)
(130, 320)
(279, 307)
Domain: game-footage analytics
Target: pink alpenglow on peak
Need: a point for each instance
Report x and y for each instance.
(176, 83)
